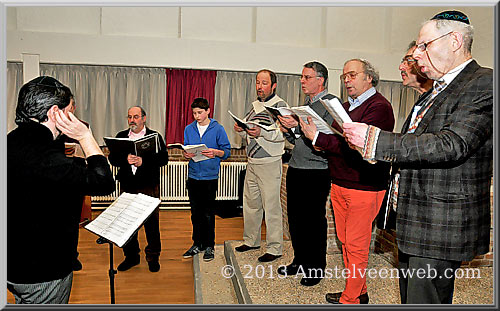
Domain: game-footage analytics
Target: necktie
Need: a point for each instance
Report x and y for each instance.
(438, 87)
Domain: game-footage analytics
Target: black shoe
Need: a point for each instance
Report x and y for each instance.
(192, 251)
(291, 269)
(77, 265)
(128, 263)
(154, 266)
(335, 298)
(244, 248)
(209, 254)
(268, 257)
(310, 281)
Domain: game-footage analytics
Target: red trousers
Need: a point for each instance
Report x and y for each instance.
(355, 211)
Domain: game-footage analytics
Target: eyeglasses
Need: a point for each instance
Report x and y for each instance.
(408, 60)
(351, 74)
(307, 78)
(423, 46)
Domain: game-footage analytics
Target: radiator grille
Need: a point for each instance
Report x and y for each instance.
(173, 182)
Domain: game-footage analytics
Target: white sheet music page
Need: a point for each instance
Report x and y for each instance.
(123, 217)
(305, 111)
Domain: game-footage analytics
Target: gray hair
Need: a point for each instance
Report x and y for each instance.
(466, 30)
(320, 69)
(368, 69)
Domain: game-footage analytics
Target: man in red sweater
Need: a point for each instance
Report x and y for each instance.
(358, 187)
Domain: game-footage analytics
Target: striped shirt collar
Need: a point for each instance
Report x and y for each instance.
(355, 103)
(310, 100)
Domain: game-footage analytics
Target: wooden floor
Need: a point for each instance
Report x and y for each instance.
(173, 284)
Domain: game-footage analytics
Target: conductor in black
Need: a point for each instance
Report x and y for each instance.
(141, 175)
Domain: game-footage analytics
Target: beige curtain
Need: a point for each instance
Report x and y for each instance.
(14, 84)
(103, 95)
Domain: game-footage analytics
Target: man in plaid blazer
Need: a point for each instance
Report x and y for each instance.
(444, 154)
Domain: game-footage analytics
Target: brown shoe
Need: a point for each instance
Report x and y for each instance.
(335, 298)
(268, 257)
(244, 248)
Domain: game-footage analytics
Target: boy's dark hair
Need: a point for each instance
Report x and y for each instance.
(37, 96)
(201, 103)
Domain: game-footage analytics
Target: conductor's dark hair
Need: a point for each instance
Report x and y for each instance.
(37, 96)
(201, 103)
(320, 69)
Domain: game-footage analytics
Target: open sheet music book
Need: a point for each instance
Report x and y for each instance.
(337, 111)
(248, 124)
(196, 149)
(279, 111)
(305, 111)
(139, 147)
(123, 217)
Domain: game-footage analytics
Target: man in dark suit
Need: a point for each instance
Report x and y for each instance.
(141, 175)
(45, 189)
(444, 153)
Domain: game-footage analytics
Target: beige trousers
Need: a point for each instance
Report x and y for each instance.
(262, 194)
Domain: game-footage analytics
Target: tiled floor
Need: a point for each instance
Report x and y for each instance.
(265, 286)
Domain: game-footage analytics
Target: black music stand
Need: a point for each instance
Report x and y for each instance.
(115, 221)
(111, 271)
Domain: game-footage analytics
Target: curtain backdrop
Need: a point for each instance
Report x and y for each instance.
(103, 94)
(235, 91)
(401, 98)
(14, 84)
(182, 87)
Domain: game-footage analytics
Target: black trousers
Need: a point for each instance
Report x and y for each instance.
(151, 227)
(307, 192)
(433, 286)
(202, 195)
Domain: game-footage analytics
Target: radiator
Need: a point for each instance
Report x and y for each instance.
(173, 182)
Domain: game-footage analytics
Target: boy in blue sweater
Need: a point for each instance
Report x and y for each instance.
(203, 176)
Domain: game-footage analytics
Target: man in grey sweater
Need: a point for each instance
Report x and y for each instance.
(307, 185)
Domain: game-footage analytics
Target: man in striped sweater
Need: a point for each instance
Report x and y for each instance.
(261, 193)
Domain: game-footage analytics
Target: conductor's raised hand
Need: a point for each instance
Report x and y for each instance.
(309, 129)
(71, 126)
(288, 121)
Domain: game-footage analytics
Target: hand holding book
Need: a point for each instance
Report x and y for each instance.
(193, 152)
(308, 128)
